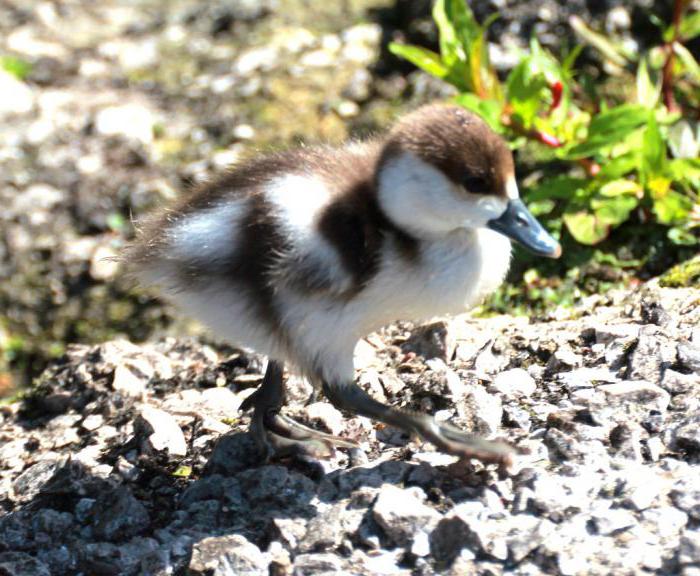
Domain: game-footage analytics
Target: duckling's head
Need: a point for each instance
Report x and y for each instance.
(442, 169)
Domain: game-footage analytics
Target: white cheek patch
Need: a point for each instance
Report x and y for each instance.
(481, 209)
(512, 189)
(491, 207)
(207, 234)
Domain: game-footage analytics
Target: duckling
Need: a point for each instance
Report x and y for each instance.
(299, 254)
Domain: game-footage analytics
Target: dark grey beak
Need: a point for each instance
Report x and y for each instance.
(517, 223)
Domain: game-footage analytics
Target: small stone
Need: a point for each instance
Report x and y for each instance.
(21, 564)
(233, 453)
(133, 121)
(244, 132)
(618, 19)
(402, 513)
(117, 514)
(330, 527)
(642, 492)
(104, 263)
(653, 353)
(92, 422)
(347, 109)
(563, 359)
(582, 378)
(679, 383)
(231, 555)
(161, 431)
(612, 521)
(128, 381)
(685, 495)
(667, 520)
(391, 383)
(317, 565)
(359, 87)
(32, 480)
(649, 395)
(689, 356)
(327, 415)
(608, 333)
(655, 448)
(17, 97)
(431, 341)
(515, 382)
(686, 437)
(689, 548)
(483, 411)
(516, 417)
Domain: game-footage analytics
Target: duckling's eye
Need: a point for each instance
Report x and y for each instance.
(475, 184)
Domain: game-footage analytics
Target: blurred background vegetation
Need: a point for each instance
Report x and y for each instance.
(110, 109)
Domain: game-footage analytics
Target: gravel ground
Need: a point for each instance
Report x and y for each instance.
(133, 459)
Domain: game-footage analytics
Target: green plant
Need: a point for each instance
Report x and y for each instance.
(627, 156)
(15, 66)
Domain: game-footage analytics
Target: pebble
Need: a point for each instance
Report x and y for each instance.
(326, 414)
(649, 395)
(515, 382)
(17, 97)
(160, 431)
(132, 121)
(401, 513)
(230, 555)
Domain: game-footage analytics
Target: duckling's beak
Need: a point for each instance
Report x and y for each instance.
(517, 223)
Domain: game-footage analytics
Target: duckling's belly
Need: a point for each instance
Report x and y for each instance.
(451, 276)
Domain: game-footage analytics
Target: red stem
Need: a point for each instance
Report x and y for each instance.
(667, 73)
(557, 89)
(548, 140)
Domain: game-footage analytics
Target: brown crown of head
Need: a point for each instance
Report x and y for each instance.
(458, 143)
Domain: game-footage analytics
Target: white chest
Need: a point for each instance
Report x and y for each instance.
(452, 275)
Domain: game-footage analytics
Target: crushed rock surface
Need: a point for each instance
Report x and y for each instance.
(132, 460)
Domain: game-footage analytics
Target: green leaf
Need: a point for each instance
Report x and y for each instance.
(690, 26)
(648, 91)
(609, 128)
(465, 25)
(612, 51)
(620, 188)
(421, 57)
(183, 472)
(672, 207)
(567, 64)
(489, 110)
(618, 166)
(561, 187)
(527, 85)
(17, 67)
(450, 46)
(614, 210)
(685, 169)
(585, 227)
(689, 63)
(621, 119)
(653, 152)
(682, 237)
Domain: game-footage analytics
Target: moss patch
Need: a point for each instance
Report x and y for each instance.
(683, 275)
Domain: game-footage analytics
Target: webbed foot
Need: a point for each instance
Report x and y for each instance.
(278, 435)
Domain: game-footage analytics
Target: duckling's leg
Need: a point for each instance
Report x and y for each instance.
(448, 438)
(275, 433)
